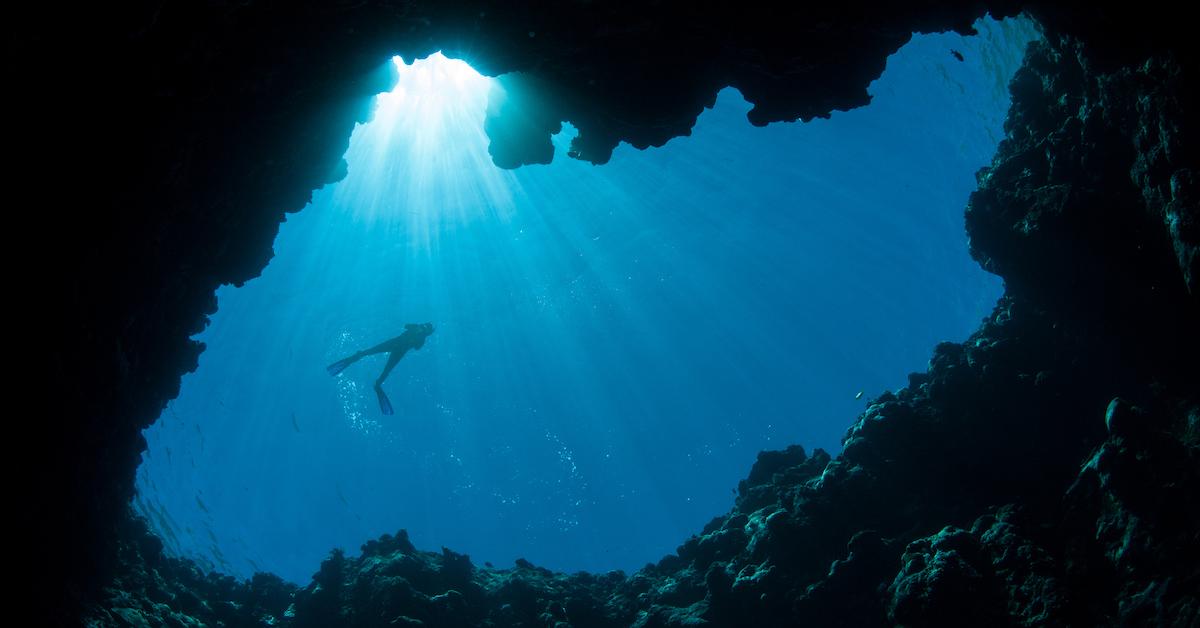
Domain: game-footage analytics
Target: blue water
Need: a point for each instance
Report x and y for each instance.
(614, 344)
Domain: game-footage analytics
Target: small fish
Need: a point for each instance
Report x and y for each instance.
(340, 496)
(957, 54)
(294, 423)
(859, 395)
(200, 502)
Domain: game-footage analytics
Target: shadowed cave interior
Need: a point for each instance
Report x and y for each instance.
(1041, 472)
(713, 294)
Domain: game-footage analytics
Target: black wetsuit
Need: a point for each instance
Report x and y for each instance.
(413, 338)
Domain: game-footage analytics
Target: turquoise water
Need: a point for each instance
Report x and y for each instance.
(613, 344)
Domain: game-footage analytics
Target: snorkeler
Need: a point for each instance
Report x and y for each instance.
(413, 338)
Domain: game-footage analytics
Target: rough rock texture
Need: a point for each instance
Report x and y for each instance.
(152, 589)
(1042, 473)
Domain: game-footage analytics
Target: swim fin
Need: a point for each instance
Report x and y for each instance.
(340, 365)
(385, 405)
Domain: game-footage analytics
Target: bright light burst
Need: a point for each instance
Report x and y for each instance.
(422, 160)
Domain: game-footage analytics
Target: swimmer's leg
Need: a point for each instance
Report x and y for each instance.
(340, 365)
(382, 347)
(385, 405)
(393, 359)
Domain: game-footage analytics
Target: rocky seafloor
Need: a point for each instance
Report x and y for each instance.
(1044, 472)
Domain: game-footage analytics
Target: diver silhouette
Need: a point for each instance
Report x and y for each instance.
(413, 338)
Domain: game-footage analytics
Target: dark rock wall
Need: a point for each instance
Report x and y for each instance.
(152, 589)
(1044, 472)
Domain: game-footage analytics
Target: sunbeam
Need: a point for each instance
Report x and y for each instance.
(613, 344)
(421, 165)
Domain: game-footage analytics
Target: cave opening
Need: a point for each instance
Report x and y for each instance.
(614, 344)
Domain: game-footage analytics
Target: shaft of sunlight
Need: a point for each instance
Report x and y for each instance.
(422, 164)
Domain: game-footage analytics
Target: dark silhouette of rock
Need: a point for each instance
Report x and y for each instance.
(1042, 473)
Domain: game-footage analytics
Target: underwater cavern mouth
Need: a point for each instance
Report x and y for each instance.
(614, 344)
(1098, 277)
